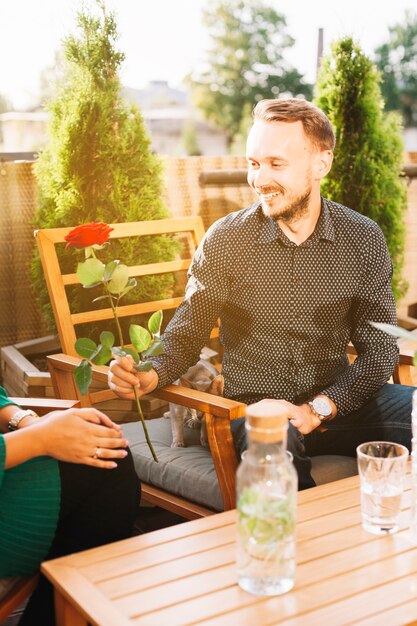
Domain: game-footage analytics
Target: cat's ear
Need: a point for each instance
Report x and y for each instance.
(185, 383)
(217, 386)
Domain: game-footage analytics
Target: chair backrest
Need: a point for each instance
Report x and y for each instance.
(47, 239)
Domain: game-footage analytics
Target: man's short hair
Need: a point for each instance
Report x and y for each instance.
(316, 124)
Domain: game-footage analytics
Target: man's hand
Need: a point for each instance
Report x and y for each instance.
(122, 376)
(303, 418)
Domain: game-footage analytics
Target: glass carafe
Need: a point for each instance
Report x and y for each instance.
(266, 503)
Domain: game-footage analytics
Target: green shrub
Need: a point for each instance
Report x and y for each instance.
(98, 165)
(366, 174)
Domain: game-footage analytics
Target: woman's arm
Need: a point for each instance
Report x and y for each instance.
(21, 446)
(6, 414)
(8, 409)
(76, 436)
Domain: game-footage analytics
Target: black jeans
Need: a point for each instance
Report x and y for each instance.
(97, 507)
(385, 417)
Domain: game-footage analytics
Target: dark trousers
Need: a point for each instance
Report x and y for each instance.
(385, 417)
(97, 507)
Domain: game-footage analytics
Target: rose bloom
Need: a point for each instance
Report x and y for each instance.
(85, 235)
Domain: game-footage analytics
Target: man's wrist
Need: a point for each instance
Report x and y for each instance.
(331, 402)
(323, 408)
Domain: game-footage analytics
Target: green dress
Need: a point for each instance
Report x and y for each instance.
(29, 509)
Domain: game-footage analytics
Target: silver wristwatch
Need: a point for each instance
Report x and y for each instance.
(322, 408)
(19, 415)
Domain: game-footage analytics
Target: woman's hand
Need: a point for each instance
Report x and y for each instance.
(122, 376)
(80, 436)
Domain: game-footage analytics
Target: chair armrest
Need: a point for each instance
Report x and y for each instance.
(61, 364)
(218, 413)
(406, 373)
(41, 406)
(407, 322)
(206, 402)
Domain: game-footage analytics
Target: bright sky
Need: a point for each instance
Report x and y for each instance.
(164, 39)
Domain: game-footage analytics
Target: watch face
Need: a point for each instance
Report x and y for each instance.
(322, 407)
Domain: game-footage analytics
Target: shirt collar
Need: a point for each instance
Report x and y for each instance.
(270, 230)
(325, 226)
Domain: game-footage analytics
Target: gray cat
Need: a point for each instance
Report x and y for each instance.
(202, 376)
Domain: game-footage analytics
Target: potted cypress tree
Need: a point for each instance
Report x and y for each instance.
(366, 174)
(98, 164)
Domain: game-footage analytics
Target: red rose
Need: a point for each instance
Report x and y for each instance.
(87, 235)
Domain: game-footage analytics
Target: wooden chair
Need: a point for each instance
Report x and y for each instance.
(14, 590)
(66, 322)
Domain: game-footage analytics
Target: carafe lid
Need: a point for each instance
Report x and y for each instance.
(267, 421)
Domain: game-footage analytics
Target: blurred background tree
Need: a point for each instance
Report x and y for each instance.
(366, 173)
(189, 138)
(98, 165)
(397, 61)
(245, 63)
(238, 144)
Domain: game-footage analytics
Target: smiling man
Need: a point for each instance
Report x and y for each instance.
(293, 279)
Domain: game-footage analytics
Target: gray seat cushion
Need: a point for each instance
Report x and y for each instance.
(189, 472)
(329, 467)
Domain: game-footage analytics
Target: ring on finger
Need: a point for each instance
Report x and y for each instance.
(97, 453)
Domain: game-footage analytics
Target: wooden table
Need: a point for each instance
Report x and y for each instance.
(186, 574)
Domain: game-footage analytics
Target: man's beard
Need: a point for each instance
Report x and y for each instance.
(295, 209)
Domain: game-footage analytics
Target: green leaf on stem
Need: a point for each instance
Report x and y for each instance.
(110, 267)
(118, 352)
(133, 354)
(154, 323)
(156, 349)
(145, 366)
(140, 337)
(83, 376)
(131, 283)
(102, 356)
(107, 338)
(90, 272)
(85, 347)
(119, 279)
(415, 360)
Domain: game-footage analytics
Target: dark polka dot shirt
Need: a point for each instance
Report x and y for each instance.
(288, 311)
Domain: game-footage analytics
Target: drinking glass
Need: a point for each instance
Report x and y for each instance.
(382, 466)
